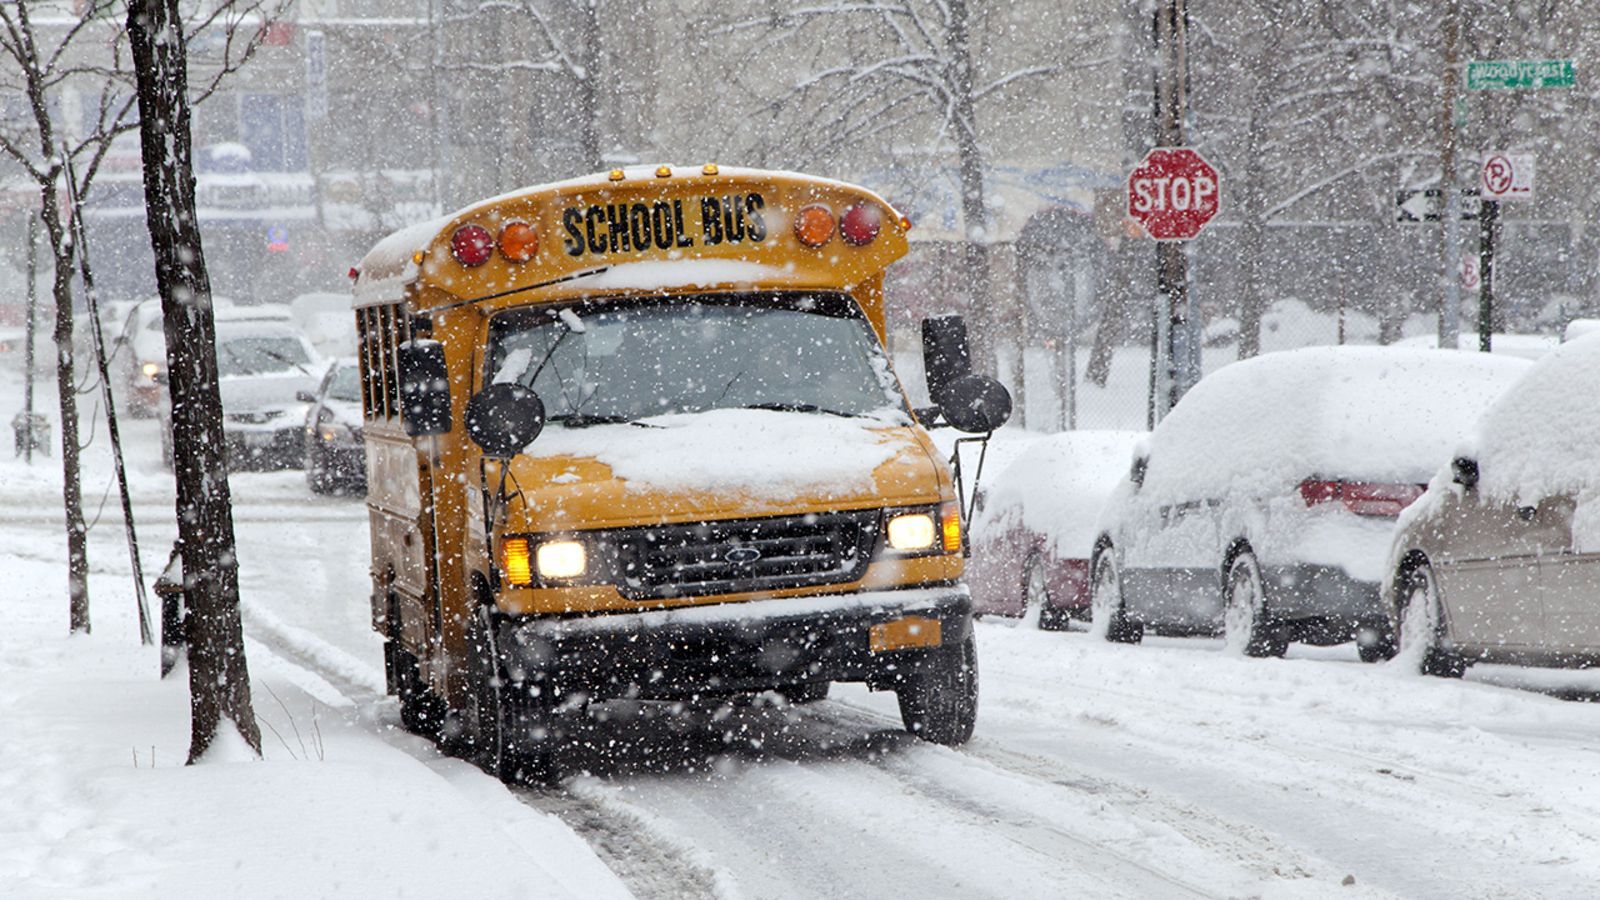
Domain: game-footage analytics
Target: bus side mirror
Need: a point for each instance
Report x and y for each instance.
(945, 357)
(424, 388)
(976, 404)
(1464, 471)
(504, 418)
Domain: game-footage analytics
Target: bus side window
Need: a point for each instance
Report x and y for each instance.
(364, 343)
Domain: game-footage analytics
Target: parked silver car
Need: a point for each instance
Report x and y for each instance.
(1262, 506)
(263, 367)
(1500, 559)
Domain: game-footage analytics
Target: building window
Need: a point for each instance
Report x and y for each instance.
(273, 127)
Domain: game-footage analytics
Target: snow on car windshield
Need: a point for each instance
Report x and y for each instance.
(1369, 413)
(346, 384)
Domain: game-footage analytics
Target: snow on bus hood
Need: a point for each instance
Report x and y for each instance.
(723, 462)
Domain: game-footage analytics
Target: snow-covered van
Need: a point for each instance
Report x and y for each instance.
(635, 435)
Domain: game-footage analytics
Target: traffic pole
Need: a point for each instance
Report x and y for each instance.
(1172, 263)
(1489, 236)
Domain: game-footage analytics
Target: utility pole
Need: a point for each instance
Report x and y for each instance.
(1489, 236)
(1172, 264)
(1450, 234)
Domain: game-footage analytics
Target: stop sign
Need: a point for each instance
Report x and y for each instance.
(1173, 193)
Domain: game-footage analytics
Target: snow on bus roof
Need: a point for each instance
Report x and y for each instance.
(389, 265)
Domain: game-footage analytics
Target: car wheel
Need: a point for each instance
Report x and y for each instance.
(1108, 604)
(1375, 642)
(1036, 596)
(1247, 625)
(1423, 630)
(317, 477)
(939, 700)
(513, 733)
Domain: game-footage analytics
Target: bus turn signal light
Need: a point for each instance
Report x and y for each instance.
(950, 527)
(813, 225)
(518, 242)
(515, 561)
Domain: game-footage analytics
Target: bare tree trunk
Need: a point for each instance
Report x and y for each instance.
(61, 256)
(588, 94)
(1253, 222)
(219, 680)
(67, 386)
(974, 209)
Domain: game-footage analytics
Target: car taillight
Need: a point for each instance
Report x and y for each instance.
(1364, 498)
(860, 224)
(471, 245)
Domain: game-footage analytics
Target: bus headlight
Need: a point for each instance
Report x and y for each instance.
(562, 559)
(911, 531)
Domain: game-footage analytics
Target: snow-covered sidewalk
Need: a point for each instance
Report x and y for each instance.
(95, 800)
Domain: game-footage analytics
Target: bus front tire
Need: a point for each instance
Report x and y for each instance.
(512, 736)
(939, 701)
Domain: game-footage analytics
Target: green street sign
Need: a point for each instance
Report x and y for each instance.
(1514, 74)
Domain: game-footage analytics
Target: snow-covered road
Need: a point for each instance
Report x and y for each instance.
(1163, 770)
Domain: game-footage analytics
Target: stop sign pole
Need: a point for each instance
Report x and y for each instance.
(1173, 193)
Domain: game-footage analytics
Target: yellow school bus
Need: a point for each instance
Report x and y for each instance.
(636, 435)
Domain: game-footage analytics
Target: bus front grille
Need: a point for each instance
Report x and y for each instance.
(745, 555)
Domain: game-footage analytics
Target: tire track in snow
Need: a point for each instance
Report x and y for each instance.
(1240, 844)
(649, 865)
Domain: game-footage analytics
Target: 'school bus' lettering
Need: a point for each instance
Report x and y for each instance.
(627, 227)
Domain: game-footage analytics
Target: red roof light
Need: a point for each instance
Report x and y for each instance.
(860, 224)
(472, 245)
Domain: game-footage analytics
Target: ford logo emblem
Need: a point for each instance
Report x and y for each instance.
(742, 556)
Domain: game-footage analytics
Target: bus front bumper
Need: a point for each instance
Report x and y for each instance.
(733, 648)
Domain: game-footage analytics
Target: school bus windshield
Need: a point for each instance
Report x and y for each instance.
(595, 363)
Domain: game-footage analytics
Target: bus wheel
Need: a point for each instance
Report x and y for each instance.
(512, 735)
(939, 701)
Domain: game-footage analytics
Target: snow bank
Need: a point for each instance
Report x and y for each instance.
(1260, 426)
(762, 453)
(1057, 486)
(1540, 437)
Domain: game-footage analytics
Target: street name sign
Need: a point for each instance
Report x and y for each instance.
(1173, 193)
(1519, 74)
(1507, 176)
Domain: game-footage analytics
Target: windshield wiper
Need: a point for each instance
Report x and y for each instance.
(804, 408)
(584, 420)
(273, 354)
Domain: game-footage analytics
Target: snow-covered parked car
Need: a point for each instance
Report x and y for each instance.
(1262, 506)
(334, 448)
(1500, 559)
(1033, 534)
(263, 365)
